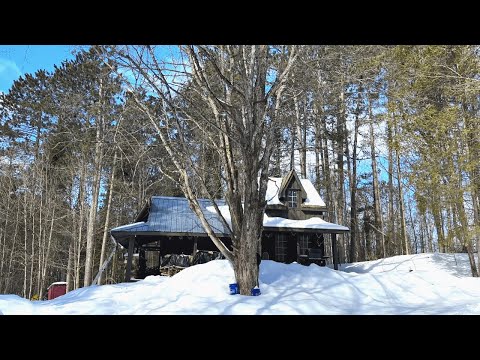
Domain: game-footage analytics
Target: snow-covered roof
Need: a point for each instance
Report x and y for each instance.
(314, 223)
(313, 197)
(274, 185)
(173, 215)
(273, 188)
(138, 226)
(57, 283)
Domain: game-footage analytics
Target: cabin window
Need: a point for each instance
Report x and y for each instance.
(292, 198)
(303, 244)
(280, 248)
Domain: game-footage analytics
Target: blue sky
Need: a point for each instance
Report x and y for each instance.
(17, 60)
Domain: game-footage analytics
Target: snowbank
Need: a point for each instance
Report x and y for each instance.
(414, 284)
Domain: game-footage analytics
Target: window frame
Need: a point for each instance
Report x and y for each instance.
(292, 198)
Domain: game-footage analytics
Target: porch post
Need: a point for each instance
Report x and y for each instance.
(142, 263)
(334, 251)
(194, 246)
(128, 272)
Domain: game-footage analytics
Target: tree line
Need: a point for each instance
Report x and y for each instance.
(389, 135)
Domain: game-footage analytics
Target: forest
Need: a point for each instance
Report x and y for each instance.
(389, 135)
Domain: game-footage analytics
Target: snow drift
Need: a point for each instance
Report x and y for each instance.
(411, 284)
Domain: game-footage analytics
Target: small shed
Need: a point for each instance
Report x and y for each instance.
(57, 289)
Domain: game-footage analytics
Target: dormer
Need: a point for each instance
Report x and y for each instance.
(291, 191)
(293, 198)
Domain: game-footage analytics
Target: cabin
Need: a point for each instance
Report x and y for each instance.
(294, 230)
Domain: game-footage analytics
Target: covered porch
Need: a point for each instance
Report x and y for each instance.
(152, 252)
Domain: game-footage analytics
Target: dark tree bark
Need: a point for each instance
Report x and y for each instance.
(353, 192)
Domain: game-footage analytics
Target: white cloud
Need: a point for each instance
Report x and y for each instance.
(9, 72)
(9, 66)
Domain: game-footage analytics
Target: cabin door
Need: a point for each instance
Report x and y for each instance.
(291, 248)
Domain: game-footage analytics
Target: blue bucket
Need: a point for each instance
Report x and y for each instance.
(256, 292)
(234, 289)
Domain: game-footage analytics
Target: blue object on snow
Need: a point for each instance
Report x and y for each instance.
(256, 291)
(234, 289)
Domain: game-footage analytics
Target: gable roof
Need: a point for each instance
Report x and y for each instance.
(291, 176)
(312, 197)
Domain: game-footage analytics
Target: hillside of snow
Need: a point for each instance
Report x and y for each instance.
(409, 284)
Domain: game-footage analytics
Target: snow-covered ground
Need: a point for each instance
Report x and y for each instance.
(410, 284)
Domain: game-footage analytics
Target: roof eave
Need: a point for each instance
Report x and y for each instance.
(310, 230)
(313, 207)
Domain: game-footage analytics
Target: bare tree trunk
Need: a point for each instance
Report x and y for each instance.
(476, 216)
(422, 234)
(438, 220)
(81, 202)
(41, 230)
(72, 237)
(467, 240)
(318, 157)
(473, 146)
(32, 255)
(3, 240)
(471, 259)
(302, 146)
(423, 237)
(95, 192)
(91, 229)
(25, 255)
(12, 250)
(47, 255)
(413, 228)
(451, 223)
(69, 266)
(353, 194)
(322, 166)
(341, 135)
(402, 209)
(391, 216)
(326, 171)
(292, 148)
(277, 154)
(476, 219)
(379, 236)
(107, 216)
(246, 271)
(428, 232)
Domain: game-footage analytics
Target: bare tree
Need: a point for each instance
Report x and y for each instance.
(233, 95)
(379, 234)
(107, 216)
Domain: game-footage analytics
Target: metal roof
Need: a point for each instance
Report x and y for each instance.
(173, 215)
